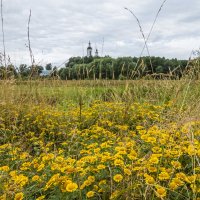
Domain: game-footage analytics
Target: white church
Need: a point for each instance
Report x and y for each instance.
(89, 51)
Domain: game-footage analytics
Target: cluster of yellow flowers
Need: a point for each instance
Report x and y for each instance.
(104, 151)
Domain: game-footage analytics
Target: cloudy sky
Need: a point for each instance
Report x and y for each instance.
(60, 29)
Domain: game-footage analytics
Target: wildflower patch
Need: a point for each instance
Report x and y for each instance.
(107, 150)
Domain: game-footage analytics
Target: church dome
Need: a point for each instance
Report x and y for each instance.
(89, 47)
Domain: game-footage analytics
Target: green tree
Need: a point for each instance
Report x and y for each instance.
(48, 66)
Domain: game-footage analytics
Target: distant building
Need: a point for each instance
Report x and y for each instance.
(46, 73)
(89, 51)
(96, 53)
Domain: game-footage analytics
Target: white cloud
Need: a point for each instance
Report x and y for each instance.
(120, 43)
(59, 29)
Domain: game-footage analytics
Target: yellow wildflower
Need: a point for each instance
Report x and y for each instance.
(19, 196)
(193, 187)
(191, 150)
(132, 155)
(53, 180)
(181, 176)
(4, 168)
(71, 187)
(191, 179)
(151, 140)
(152, 169)
(40, 167)
(115, 194)
(139, 127)
(13, 173)
(102, 182)
(149, 179)
(156, 149)
(35, 178)
(90, 194)
(154, 160)
(41, 197)
(127, 171)
(91, 179)
(95, 187)
(87, 182)
(176, 164)
(164, 176)
(118, 178)
(101, 167)
(161, 191)
(177, 181)
(118, 162)
(3, 197)
(173, 185)
(20, 180)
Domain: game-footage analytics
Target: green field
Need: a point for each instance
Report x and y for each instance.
(102, 139)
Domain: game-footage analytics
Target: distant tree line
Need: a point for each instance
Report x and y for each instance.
(80, 68)
(25, 72)
(121, 68)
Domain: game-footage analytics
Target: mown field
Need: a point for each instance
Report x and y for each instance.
(77, 140)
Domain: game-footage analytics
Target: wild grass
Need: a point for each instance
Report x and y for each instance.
(100, 139)
(184, 94)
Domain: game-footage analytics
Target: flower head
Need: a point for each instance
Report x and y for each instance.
(118, 178)
(19, 196)
(164, 176)
(90, 194)
(161, 192)
(71, 187)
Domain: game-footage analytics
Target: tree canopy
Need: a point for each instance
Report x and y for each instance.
(103, 68)
(120, 68)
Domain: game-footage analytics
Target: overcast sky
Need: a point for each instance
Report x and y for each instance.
(60, 29)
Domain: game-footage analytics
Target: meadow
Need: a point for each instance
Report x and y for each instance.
(100, 139)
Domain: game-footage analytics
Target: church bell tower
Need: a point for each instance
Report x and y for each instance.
(96, 53)
(89, 50)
